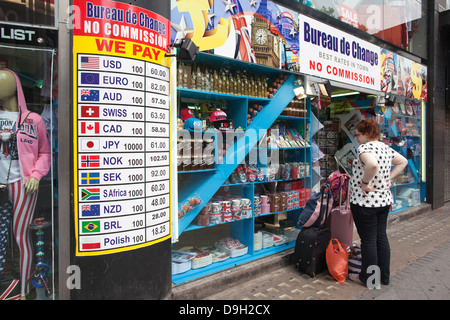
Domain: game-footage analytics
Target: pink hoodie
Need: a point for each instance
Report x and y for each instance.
(32, 140)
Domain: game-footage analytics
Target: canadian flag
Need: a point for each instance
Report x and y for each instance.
(90, 127)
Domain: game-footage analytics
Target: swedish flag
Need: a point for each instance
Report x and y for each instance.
(90, 178)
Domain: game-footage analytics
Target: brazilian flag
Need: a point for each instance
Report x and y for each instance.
(90, 226)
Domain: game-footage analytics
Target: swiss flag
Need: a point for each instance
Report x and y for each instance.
(90, 111)
(90, 127)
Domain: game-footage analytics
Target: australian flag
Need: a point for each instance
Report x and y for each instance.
(90, 95)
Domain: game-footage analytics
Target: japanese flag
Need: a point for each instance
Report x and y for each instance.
(89, 144)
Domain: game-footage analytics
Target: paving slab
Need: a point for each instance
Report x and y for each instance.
(420, 269)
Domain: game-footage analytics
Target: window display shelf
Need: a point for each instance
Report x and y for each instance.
(194, 226)
(198, 171)
(293, 118)
(210, 95)
(287, 148)
(208, 185)
(265, 181)
(229, 263)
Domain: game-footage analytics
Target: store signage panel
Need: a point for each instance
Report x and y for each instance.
(121, 127)
(402, 76)
(329, 53)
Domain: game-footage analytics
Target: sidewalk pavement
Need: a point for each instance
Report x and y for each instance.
(420, 269)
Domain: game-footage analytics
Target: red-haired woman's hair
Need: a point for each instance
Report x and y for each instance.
(369, 127)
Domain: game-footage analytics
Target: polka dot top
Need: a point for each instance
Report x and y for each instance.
(382, 195)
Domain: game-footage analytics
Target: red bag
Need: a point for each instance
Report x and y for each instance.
(337, 260)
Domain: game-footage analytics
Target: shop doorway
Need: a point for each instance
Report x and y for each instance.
(399, 121)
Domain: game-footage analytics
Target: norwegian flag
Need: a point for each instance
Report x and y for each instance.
(244, 50)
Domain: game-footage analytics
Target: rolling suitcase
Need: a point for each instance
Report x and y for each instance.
(311, 245)
(341, 222)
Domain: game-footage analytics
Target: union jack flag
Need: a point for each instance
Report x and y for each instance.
(85, 92)
(243, 50)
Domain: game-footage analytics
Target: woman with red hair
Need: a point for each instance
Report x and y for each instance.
(371, 199)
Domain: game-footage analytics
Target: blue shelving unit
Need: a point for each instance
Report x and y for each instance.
(206, 184)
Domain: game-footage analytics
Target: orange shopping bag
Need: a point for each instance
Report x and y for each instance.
(337, 260)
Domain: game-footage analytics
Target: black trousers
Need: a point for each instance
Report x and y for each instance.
(375, 250)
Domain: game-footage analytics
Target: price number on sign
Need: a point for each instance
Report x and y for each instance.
(157, 144)
(157, 86)
(157, 100)
(156, 71)
(158, 231)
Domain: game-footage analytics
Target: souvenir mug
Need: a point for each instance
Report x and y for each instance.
(264, 200)
(226, 206)
(245, 203)
(216, 207)
(235, 204)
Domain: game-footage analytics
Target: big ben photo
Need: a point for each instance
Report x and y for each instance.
(264, 43)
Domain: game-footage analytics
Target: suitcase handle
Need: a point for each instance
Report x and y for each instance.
(347, 201)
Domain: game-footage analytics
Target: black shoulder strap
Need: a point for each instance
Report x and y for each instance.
(325, 189)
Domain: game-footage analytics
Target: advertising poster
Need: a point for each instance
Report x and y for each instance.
(258, 31)
(121, 127)
(402, 76)
(331, 54)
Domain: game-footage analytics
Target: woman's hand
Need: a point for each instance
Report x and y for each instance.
(366, 189)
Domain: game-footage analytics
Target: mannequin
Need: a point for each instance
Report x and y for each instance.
(22, 166)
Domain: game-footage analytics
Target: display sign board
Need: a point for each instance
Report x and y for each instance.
(329, 53)
(121, 127)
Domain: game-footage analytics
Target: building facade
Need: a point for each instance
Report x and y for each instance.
(122, 206)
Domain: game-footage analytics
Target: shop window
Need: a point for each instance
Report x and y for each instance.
(402, 23)
(400, 125)
(37, 12)
(28, 131)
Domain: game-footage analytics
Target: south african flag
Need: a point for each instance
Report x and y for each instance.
(90, 194)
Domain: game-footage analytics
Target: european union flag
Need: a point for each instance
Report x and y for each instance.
(90, 78)
(90, 210)
(90, 95)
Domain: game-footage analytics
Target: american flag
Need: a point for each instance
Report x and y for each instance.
(90, 62)
(244, 50)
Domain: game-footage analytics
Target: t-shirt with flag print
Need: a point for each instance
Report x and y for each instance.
(9, 157)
